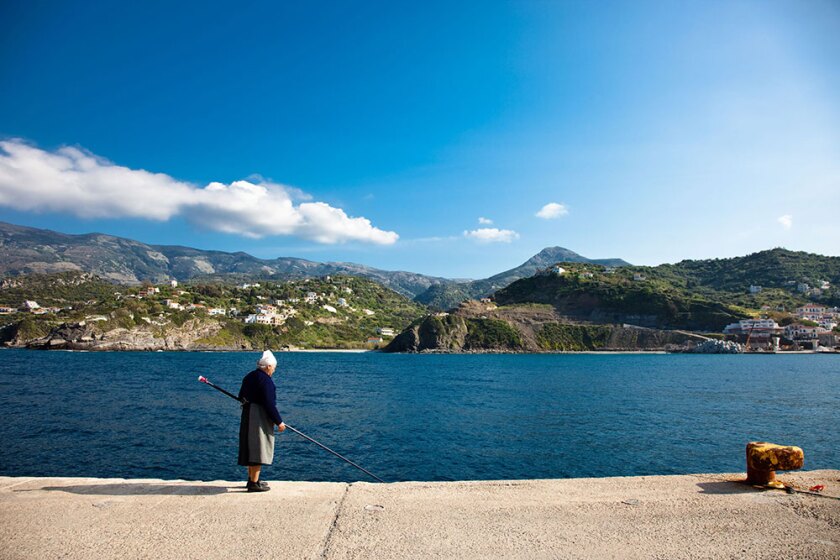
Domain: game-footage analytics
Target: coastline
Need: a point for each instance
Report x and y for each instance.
(676, 516)
(424, 352)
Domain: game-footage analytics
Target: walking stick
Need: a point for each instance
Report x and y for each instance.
(204, 380)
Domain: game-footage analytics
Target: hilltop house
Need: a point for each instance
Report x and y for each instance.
(385, 331)
(30, 305)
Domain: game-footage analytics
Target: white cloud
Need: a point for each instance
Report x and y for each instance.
(552, 210)
(71, 180)
(491, 235)
(485, 221)
(786, 221)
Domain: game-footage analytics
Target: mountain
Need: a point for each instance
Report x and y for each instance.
(448, 295)
(25, 250)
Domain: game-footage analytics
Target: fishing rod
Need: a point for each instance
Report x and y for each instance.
(206, 381)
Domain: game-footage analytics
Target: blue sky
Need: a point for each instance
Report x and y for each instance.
(381, 132)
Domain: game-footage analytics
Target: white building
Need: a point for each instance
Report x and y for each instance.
(385, 331)
(811, 312)
(30, 305)
(558, 270)
(330, 308)
(342, 302)
(172, 304)
(753, 326)
(638, 277)
(801, 332)
(755, 289)
(173, 283)
(368, 312)
(216, 311)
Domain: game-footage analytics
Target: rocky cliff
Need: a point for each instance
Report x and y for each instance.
(481, 327)
(88, 336)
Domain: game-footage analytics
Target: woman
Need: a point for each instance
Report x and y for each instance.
(259, 416)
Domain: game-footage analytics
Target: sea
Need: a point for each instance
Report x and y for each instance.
(415, 417)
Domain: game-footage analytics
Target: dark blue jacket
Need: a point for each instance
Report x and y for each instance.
(258, 388)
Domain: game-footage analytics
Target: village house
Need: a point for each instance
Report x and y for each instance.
(30, 305)
(385, 331)
(811, 312)
(638, 277)
(374, 340)
(558, 270)
(368, 312)
(802, 332)
(7, 310)
(342, 302)
(330, 308)
(755, 289)
(173, 283)
(172, 304)
(310, 297)
(216, 311)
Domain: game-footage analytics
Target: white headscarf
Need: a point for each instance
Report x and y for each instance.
(267, 359)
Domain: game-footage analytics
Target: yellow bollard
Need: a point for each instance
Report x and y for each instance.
(764, 459)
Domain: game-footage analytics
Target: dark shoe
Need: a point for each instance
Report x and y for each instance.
(264, 484)
(256, 487)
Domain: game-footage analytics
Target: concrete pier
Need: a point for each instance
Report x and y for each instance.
(694, 516)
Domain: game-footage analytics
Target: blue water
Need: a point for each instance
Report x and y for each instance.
(415, 417)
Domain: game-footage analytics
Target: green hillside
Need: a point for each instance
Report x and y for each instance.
(345, 313)
(618, 298)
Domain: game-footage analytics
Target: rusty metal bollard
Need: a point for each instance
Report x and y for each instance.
(764, 459)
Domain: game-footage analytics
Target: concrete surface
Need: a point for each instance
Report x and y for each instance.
(695, 516)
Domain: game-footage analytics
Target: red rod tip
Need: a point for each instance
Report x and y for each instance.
(202, 379)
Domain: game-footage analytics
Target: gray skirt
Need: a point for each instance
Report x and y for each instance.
(256, 436)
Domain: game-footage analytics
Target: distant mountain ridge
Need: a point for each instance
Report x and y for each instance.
(27, 250)
(445, 296)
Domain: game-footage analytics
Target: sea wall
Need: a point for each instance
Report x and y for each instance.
(675, 517)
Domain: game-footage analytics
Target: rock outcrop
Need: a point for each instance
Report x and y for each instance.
(86, 336)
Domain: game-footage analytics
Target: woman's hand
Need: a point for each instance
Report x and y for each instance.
(281, 426)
